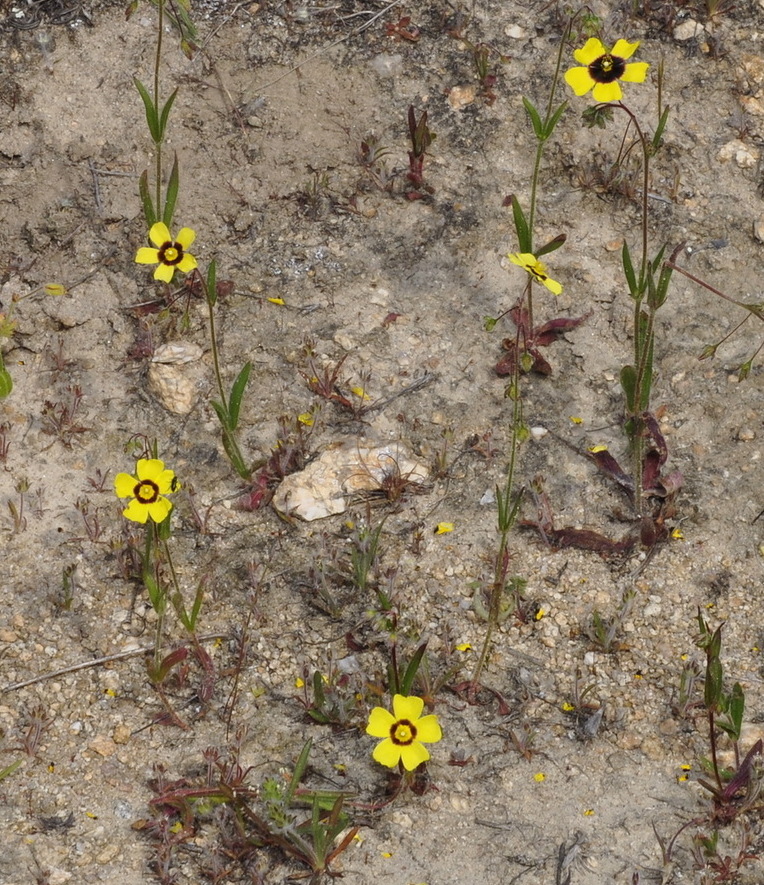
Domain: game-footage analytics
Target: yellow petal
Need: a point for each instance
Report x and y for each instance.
(136, 511)
(145, 255)
(605, 92)
(407, 708)
(165, 273)
(413, 755)
(554, 287)
(149, 468)
(54, 289)
(187, 263)
(387, 753)
(636, 72)
(159, 510)
(186, 236)
(380, 723)
(166, 482)
(428, 729)
(590, 51)
(579, 80)
(623, 49)
(160, 234)
(124, 485)
(523, 259)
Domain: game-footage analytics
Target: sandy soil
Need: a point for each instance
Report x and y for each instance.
(268, 126)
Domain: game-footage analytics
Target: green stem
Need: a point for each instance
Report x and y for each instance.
(158, 145)
(150, 565)
(506, 522)
(215, 357)
(539, 155)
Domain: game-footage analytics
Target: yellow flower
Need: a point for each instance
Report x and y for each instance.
(405, 731)
(603, 69)
(170, 254)
(536, 269)
(147, 489)
(443, 528)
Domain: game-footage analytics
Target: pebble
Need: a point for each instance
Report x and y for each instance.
(688, 30)
(121, 734)
(175, 374)
(344, 470)
(461, 96)
(746, 434)
(758, 230)
(103, 745)
(515, 32)
(746, 156)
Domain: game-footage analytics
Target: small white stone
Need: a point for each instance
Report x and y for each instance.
(746, 156)
(342, 471)
(688, 29)
(461, 96)
(515, 32)
(538, 432)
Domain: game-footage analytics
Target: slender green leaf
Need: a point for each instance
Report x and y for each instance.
(152, 119)
(554, 120)
(552, 245)
(299, 769)
(629, 385)
(521, 226)
(538, 126)
(149, 213)
(628, 269)
(164, 529)
(713, 688)
(237, 392)
(173, 186)
(659, 129)
(197, 606)
(222, 413)
(156, 595)
(166, 113)
(9, 769)
(661, 290)
(736, 710)
(411, 670)
(6, 383)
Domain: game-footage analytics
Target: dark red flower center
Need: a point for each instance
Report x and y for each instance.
(146, 491)
(607, 68)
(171, 253)
(403, 733)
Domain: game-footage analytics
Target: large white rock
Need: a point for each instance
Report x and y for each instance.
(341, 472)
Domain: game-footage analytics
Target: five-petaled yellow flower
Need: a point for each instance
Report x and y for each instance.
(147, 490)
(170, 254)
(405, 731)
(603, 69)
(536, 269)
